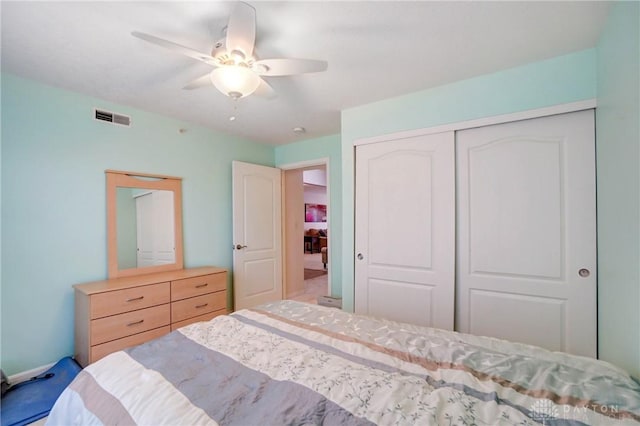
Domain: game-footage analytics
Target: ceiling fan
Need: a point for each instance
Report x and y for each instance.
(237, 70)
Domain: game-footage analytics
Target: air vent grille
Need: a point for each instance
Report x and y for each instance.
(104, 116)
(111, 117)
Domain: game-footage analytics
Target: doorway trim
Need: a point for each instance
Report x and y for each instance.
(322, 161)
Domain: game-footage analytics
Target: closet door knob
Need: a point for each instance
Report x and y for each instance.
(360, 256)
(584, 272)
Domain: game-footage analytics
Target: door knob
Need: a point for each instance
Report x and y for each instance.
(240, 247)
(360, 256)
(584, 273)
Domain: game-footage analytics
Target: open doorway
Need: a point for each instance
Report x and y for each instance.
(306, 229)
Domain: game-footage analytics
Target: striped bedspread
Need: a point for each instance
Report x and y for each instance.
(298, 364)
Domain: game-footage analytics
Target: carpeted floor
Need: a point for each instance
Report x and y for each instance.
(313, 273)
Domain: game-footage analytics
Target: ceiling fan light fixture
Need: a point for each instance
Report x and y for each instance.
(235, 81)
(237, 70)
(237, 57)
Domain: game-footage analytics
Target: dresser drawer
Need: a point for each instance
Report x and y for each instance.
(117, 313)
(130, 299)
(100, 351)
(122, 325)
(205, 317)
(199, 305)
(196, 286)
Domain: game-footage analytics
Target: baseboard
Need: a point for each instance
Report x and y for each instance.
(26, 375)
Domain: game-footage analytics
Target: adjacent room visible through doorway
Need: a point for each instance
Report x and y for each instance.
(306, 233)
(315, 279)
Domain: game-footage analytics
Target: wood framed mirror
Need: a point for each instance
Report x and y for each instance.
(144, 223)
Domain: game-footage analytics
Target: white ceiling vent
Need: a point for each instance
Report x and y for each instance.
(111, 117)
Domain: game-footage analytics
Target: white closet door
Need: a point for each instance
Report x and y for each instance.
(405, 230)
(526, 246)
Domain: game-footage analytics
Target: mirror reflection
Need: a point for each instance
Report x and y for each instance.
(145, 227)
(144, 223)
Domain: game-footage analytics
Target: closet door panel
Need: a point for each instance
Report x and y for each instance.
(516, 312)
(405, 209)
(415, 307)
(526, 227)
(534, 168)
(399, 213)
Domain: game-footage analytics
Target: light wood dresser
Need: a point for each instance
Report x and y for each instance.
(113, 314)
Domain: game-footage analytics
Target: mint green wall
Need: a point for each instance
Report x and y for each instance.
(564, 79)
(53, 203)
(313, 149)
(618, 157)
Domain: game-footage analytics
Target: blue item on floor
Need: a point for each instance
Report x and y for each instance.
(32, 400)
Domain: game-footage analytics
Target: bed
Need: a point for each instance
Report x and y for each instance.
(299, 364)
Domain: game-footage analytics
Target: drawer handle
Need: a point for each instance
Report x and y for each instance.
(202, 285)
(133, 299)
(135, 323)
(201, 306)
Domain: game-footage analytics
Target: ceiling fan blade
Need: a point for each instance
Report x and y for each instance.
(178, 48)
(241, 30)
(203, 81)
(265, 90)
(276, 67)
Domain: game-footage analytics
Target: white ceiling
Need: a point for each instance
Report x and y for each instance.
(375, 50)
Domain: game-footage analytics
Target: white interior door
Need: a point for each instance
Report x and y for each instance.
(527, 232)
(405, 230)
(144, 229)
(257, 234)
(154, 228)
(164, 236)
